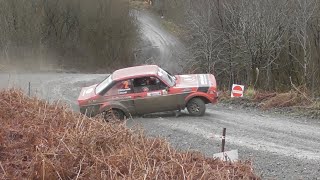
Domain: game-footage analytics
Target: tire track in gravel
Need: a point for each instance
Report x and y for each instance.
(171, 50)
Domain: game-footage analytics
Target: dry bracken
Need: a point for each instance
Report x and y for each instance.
(47, 141)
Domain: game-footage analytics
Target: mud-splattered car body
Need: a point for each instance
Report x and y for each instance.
(147, 89)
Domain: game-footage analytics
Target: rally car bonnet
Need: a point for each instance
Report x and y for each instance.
(195, 80)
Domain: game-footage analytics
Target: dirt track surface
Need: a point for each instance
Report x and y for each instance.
(280, 147)
(159, 46)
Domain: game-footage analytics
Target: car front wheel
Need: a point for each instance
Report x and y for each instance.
(196, 107)
(113, 115)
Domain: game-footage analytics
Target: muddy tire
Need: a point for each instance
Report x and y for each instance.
(114, 115)
(196, 107)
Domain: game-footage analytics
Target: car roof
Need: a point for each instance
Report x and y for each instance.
(135, 71)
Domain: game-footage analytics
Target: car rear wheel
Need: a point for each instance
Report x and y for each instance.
(196, 107)
(113, 115)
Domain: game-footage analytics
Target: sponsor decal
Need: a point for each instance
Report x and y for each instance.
(123, 91)
(188, 78)
(88, 91)
(92, 101)
(187, 90)
(158, 93)
(121, 97)
(203, 78)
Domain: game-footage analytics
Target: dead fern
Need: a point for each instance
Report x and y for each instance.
(47, 141)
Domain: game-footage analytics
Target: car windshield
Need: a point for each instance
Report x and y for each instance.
(105, 83)
(165, 76)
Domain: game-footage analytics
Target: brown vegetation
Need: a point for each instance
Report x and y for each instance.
(298, 97)
(288, 99)
(297, 101)
(46, 141)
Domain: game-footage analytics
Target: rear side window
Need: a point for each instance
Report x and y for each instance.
(120, 88)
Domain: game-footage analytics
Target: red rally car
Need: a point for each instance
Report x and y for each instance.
(147, 89)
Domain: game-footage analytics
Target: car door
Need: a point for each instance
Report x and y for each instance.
(153, 98)
(121, 94)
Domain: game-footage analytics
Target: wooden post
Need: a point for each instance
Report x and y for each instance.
(223, 139)
(29, 89)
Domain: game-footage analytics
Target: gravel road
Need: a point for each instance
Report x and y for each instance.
(280, 147)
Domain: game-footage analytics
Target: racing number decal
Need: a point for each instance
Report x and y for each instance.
(88, 91)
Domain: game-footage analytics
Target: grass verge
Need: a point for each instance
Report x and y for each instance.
(296, 102)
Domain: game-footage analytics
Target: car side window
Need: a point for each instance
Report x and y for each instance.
(120, 88)
(146, 84)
